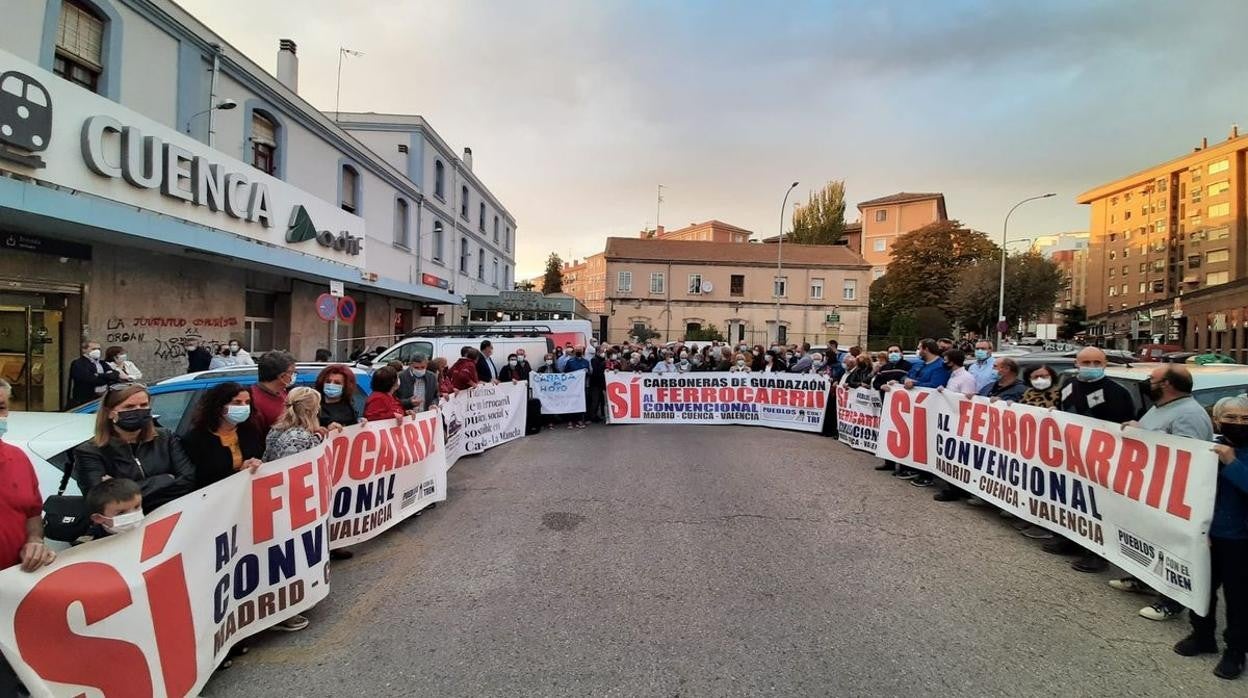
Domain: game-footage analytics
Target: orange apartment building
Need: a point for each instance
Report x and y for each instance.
(889, 217)
(1166, 259)
(706, 231)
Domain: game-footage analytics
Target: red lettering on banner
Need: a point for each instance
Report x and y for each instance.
(1177, 503)
(428, 428)
(1073, 437)
(616, 399)
(1050, 437)
(402, 456)
(920, 428)
(173, 624)
(1129, 476)
(57, 653)
(339, 448)
(708, 395)
(323, 479)
(964, 417)
(302, 502)
(385, 454)
(1011, 439)
(264, 504)
(1101, 446)
(358, 466)
(799, 398)
(780, 397)
(994, 426)
(411, 437)
(1158, 481)
(979, 421)
(898, 441)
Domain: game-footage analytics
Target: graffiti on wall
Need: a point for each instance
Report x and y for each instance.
(163, 339)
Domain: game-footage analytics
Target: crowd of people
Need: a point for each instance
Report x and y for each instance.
(133, 465)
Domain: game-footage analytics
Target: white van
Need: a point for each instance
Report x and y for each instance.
(561, 332)
(446, 342)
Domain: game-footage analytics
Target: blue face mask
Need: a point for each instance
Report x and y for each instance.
(894, 356)
(237, 414)
(981, 354)
(1091, 373)
(333, 391)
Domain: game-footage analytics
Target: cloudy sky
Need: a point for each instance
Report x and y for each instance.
(577, 110)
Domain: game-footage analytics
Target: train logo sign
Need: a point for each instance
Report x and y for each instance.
(25, 119)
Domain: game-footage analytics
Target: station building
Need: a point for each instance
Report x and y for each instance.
(157, 185)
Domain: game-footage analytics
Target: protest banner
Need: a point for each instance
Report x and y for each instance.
(1142, 500)
(382, 473)
(483, 417)
(559, 393)
(153, 611)
(778, 400)
(858, 417)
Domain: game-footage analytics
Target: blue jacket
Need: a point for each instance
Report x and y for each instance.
(933, 374)
(575, 364)
(1230, 507)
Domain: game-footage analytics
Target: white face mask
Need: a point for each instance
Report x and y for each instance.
(94, 355)
(125, 522)
(121, 358)
(1041, 383)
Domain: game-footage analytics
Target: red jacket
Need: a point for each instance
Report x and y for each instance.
(464, 374)
(381, 406)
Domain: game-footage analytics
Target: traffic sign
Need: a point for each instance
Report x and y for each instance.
(1003, 327)
(336, 290)
(346, 308)
(326, 307)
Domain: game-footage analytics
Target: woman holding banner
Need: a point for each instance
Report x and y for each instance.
(223, 440)
(337, 387)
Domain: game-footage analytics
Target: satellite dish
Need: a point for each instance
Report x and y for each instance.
(707, 287)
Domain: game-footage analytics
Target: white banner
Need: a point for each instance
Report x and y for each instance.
(858, 417)
(483, 418)
(153, 611)
(778, 400)
(1141, 499)
(382, 473)
(560, 393)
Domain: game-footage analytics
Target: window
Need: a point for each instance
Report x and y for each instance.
(1113, 291)
(1159, 286)
(1126, 196)
(1219, 233)
(736, 285)
(495, 281)
(481, 264)
(782, 334)
(481, 219)
(849, 291)
(1159, 226)
(1162, 184)
(349, 197)
(1219, 166)
(1217, 277)
(495, 229)
(1143, 267)
(1126, 252)
(695, 284)
(1124, 289)
(263, 143)
(877, 274)
(881, 215)
(439, 179)
(816, 289)
(1113, 254)
(1124, 270)
(780, 286)
(1213, 256)
(1126, 216)
(1143, 287)
(1159, 265)
(1111, 272)
(507, 276)
(879, 245)
(463, 202)
(508, 240)
(79, 45)
(437, 241)
(1113, 237)
(401, 222)
(624, 282)
(656, 282)
(259, 310)
(464, 253)
(1218, 210)
(1219, 188)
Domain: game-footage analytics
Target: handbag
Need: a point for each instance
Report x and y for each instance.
(65, 517)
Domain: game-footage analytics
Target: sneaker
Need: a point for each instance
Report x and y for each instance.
(1194, 645)
(1060, 546)
(1036, 532)
(1130, 584)
(923, 481)
(909, 476)
(341, 554)
(292, 624)
(1163, 609)
(1090, 564)
(884, 466)
(1231, 665)
(946, 496)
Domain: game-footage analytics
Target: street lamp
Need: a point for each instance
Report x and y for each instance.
(225, 105)
(775, 286)
(1004, 229)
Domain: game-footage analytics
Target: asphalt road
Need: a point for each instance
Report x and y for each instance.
(711, 561)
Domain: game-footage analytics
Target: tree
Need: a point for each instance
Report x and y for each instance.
(1074, 321)
(821, 221)
(1032, 284)
(643, 333)
(928, 263)
(709, 333)
(552, 282)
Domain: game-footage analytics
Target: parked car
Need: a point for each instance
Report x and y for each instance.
(1178, 357)
(47, 438)
(446, 342)
(174, 399)
(1155, 352)
(1209, 383)
(1064, 360)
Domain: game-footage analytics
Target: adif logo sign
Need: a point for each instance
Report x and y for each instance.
(302, 229)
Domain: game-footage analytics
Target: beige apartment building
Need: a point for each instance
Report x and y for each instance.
(1166, 258)
(706, 231)
(676, 287)
(889, 217)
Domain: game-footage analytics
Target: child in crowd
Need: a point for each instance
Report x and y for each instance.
(116, 506)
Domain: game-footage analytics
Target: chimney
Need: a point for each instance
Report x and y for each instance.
(288, 65)
(1234, 132)
(1204, 143)
(468, 158)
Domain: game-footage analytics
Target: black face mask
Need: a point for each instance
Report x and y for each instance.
(1237, 434)
(134, 420)
(1154, 392)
